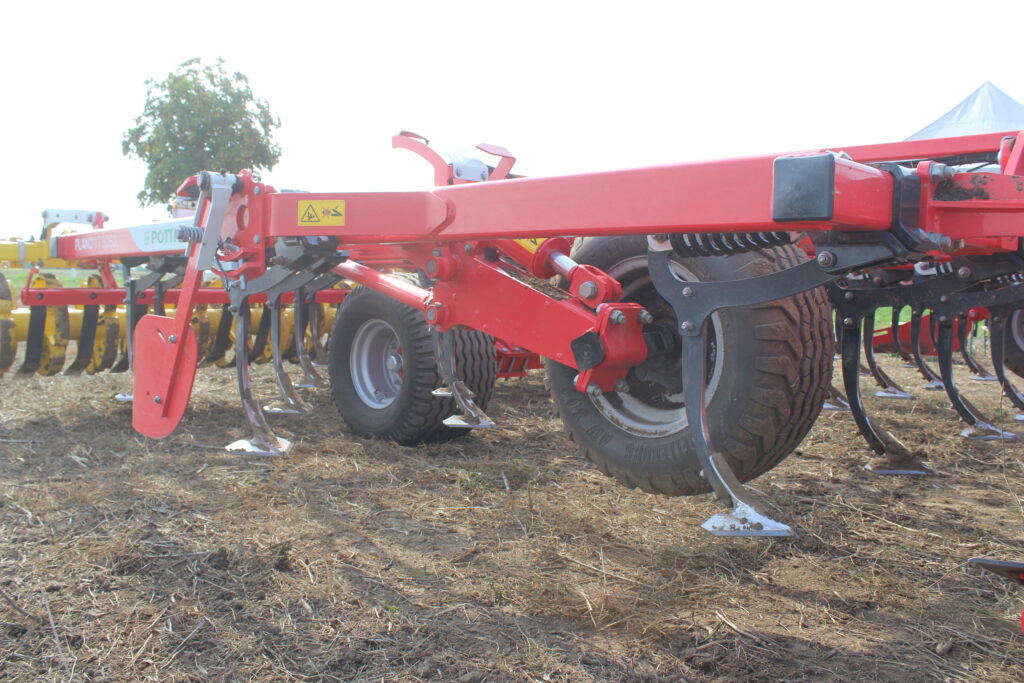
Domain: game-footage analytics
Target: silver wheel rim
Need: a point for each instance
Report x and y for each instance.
(627, 412)
(376, 374)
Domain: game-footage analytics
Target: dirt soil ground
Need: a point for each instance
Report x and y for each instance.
(502, 556)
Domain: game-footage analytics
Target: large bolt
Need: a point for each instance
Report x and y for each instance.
(588, 290)
(848, 322)
(939, 172)
(173, 339)
(393, 363)
(826, 259)
(687, 326)
(594, 390)
(963, 272)
(617, 317)
(431, 266)
(431, 315)
(688, 291)
(645, 317)
(622, 386)
(158, 399)
(848, 296)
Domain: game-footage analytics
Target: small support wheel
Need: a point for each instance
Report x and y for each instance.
(383, 370)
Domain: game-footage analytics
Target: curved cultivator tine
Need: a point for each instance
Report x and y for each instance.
(932, 380)
(304, 325)
(889, 387)
(289, 402)
(262, 440)
(980, 374)
(979, 427)
(892, 456)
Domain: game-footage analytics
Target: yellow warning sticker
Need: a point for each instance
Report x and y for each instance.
(322, 212)
(531, 244)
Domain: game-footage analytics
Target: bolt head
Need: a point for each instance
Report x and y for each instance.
(963, 272)
(617, 317)
(393, 363)
(848, 296)
(594, 390)
(622, 386)
(645, 317)
(848, 322)
(687, 326)
(588, 290)
(826, 258)
(688, 291)
(944, 298)
(468, 248)
(158, 399)
(173, 339)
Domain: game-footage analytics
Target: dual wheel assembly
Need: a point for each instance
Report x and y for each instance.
(769, 368)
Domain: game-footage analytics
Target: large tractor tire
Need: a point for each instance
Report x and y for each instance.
(1014, 346)
(769, 368)
(382, 369)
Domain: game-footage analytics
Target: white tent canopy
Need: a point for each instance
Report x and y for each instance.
(987, 110)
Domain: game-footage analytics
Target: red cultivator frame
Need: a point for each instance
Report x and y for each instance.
(689, 342)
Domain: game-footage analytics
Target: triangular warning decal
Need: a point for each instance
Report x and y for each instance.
(321, 213)
(309, 215)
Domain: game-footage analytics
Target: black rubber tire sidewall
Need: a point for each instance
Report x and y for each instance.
(1013, 350)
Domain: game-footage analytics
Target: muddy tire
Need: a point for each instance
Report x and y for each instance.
(770, 366)
(1014, 347)
(382, 369)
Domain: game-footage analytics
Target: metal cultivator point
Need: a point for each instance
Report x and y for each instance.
(683, 313)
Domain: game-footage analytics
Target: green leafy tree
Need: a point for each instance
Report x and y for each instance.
(199, 117)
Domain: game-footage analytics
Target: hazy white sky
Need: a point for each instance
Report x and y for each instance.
(566, 86)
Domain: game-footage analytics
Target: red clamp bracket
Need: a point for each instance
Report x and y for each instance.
(605, 354)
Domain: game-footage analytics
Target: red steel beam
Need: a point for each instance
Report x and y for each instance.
(719, 196)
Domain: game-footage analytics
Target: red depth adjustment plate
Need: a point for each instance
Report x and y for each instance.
(164, 368)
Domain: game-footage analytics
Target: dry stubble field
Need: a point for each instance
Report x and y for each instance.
(502, 556)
